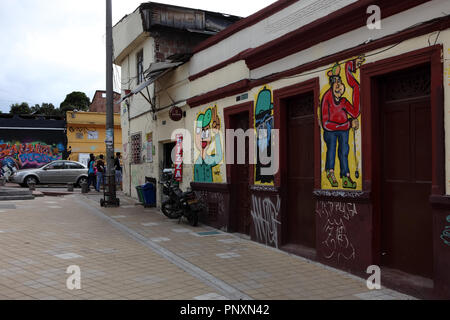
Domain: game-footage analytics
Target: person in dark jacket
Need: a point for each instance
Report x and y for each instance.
(91, 171)
(100, 165)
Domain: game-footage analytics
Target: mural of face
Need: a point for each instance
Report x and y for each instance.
(338, 88)
(203, 132)
(207, 128)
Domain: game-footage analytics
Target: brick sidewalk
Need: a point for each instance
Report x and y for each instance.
(136, 253)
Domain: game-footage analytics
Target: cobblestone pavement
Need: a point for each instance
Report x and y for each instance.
(136, 253)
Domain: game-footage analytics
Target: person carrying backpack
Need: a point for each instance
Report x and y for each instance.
(91, 171)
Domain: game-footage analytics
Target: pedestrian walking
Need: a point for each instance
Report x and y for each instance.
(118, 169)
(100, 165)
(91, 171)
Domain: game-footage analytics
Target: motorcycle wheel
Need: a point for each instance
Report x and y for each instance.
(169, 211)
(193, 219)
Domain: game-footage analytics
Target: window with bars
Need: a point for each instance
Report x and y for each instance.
(140, 67)
(136, 143)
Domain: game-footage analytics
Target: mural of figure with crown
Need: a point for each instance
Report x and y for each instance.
(339, 114)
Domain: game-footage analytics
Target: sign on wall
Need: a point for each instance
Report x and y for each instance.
(84, 158)
(92, 135)
(150, 147)
(179, 159)
(176, 114)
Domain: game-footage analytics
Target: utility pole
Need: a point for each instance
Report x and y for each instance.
(111, 199)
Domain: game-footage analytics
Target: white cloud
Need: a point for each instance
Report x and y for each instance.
(49, 48)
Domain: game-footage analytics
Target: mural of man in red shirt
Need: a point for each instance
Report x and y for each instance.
(339, 116)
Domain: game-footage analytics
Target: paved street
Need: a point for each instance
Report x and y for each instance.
(136, 253)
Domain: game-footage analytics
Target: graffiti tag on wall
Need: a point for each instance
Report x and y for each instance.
(264, 124)
(337, 243)
(265, 218)
(340, 116)
(29, 155)
(209, 147)
(446, 233)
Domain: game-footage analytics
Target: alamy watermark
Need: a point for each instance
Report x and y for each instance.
(238, 151)
(374, 20)
(374, 281)
(74, 280)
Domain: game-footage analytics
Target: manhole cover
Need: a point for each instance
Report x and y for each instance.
(210, 233)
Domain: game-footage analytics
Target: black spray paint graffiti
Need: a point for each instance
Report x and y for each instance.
(265, 214)
(337, 244)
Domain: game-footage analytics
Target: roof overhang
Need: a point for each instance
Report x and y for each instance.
(153, 73)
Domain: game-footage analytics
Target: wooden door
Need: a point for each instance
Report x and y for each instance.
(240, 180)
(406, 215)
(301, 226)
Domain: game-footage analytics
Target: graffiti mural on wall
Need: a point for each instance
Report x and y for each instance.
(340, 115)
(29, 155)
(208, 143)
(446, 233)
(337, 243)
(264, 123)
(265, 218)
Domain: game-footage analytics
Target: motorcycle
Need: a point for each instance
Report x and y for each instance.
(179, 204)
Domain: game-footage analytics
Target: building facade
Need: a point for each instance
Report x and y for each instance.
(99, 102)
(346, 161)
(86, 134)
(30, 142)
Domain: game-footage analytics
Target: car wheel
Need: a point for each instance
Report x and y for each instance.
(81, 181)
(31, 180)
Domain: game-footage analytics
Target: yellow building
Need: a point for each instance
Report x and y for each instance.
(86, 134)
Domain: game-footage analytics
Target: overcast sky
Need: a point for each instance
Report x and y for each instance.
(49, 48)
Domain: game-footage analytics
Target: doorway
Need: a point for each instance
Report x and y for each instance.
(406, 171)
(240, 178)
(300, 230)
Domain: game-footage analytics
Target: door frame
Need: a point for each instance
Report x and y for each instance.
(280, 115)
(371, 126)
(247, 107)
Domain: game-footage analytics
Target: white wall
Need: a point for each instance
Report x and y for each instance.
(391, 25)
(289, 19)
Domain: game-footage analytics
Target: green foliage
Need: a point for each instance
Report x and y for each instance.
(20, 109)
(47, 109)
(75, 100)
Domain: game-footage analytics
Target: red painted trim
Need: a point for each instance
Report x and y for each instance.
(337, 23)
(232, 89)
(233, 110)
(244, 23)
(438, 24)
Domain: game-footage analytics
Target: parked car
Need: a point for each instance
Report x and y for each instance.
(56, 172)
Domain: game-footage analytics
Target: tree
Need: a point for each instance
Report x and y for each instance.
(47, 109)
(75, 100)
(20, 109)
